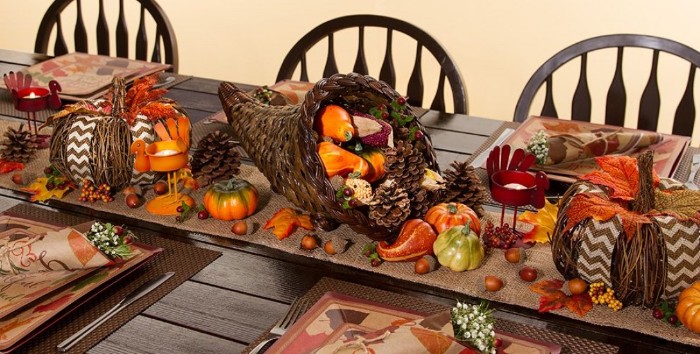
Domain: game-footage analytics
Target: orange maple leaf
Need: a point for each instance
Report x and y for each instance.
(579, 304)
(543, 222)
(583, 206)
(552, 301)
(620, 174)
(544, 287)
(434, 342)
(285, 222)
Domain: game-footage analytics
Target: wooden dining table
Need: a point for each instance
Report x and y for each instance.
(258, 283)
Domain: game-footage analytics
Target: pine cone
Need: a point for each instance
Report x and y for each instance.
(421, 202)
(215, 159)
(405, 165)
(464, 186)
(19, 145)
(390, 206)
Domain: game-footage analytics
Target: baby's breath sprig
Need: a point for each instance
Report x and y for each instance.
(474, 324)
(538, 146)
(112, 240)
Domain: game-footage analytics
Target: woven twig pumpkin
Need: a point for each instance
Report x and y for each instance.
(283, 144)
(657, 262)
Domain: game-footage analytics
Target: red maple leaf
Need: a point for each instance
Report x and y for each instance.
(583, 206)
(552, 301)
(285, 222)
(620, 174)
(544, 287)
(579, 304)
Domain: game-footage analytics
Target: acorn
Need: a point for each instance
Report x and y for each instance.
(425, 264)
(336, 245)
(309, 242)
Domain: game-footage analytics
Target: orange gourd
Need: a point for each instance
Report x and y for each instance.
(335, 122)
(340, 162)
(414, 241)
(688, 308)
(230, 200)
(376, 160)
(446, 215)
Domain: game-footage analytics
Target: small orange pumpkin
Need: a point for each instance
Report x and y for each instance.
(688, 308)
(338, 161)
(231, 200)
(446, 215)
(335, 122)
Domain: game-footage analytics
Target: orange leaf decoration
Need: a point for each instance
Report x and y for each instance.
(552, 301)
(620, 174)
(285, 222)
(9, 166)
(434, 342)
(544, 287)
(583, 206)
(82, 248)
(579, 304)
(543, 222)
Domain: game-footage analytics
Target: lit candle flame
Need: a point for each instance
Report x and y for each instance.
(32, 95)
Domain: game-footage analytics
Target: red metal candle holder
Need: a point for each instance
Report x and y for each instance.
(511, 184)
(32, 99)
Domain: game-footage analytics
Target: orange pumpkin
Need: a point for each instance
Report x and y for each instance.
(231, 200)
(340, 162)
(688, 308)
(446, 215)
(335, 122)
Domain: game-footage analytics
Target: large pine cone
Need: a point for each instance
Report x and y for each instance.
(390, 206)
(19, 145)
(463, 185)
(215, 159)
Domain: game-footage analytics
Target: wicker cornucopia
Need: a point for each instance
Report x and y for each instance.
(283, 144)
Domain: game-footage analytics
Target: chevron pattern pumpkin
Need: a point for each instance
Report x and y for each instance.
(655, 264)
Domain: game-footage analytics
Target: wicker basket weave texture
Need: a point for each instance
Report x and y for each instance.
(283, 144)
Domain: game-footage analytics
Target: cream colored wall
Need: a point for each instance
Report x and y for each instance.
(497, 44)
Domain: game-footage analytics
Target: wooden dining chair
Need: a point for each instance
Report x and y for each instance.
(650, 100)
(164, 33)
(448, 70)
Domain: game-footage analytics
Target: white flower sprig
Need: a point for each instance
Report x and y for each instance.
(474, 324)
(538, 146)
(110, 239)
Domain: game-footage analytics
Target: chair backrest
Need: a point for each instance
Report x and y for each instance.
(164, 33)
(616, 96)
(297, 55)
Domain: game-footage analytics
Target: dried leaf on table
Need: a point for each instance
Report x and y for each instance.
(285, 222)
(579, 304)
(543, 223)
(40, 193)
(544, 287)
(583, 206)
(682, 204)
(9, 166)
(552, 301)
(620, 174)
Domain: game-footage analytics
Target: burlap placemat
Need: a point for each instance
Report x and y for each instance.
(7, 107)
(470, 283)
(184, 259)
(569, 344)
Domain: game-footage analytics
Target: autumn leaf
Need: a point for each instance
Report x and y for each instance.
(285, 222)
(9, 166)
(620, 174)
(579, 304)
(544, 287)
(39, 192)
(552, 301)
(434, 342)
(583, 206)
(682, 204)
(543, 222)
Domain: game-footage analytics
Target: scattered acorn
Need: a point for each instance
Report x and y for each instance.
(160, 188)
(17, 178)
(240, 227)
(425, 264)
(577, 286)
(335, 245)
(493, 283)
(514, 255)
(133, 200)
(309, 242)
(528, 274)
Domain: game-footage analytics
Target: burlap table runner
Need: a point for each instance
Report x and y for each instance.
(184, 259)
(469, 283)
(569, 344)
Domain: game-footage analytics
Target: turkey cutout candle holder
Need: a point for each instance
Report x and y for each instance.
(27, 98)
(511, 184)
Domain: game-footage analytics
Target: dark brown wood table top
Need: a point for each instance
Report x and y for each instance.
(244, 292)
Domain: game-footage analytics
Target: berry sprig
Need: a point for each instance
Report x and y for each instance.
(186, 212)
(91, 193)
(499, 237)
(345, 197)
(603, 295)
(370, 251)
(666, 311)
(55, 180)
(394, 111)
(263, 94)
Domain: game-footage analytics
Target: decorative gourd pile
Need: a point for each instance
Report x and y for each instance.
(625, 227)
(352, 153)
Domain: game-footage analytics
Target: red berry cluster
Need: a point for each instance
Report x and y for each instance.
(499, 237)
(370, 251)
(91, 193)
(666, 311)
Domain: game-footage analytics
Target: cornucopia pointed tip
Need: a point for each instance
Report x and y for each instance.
(230, 95)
